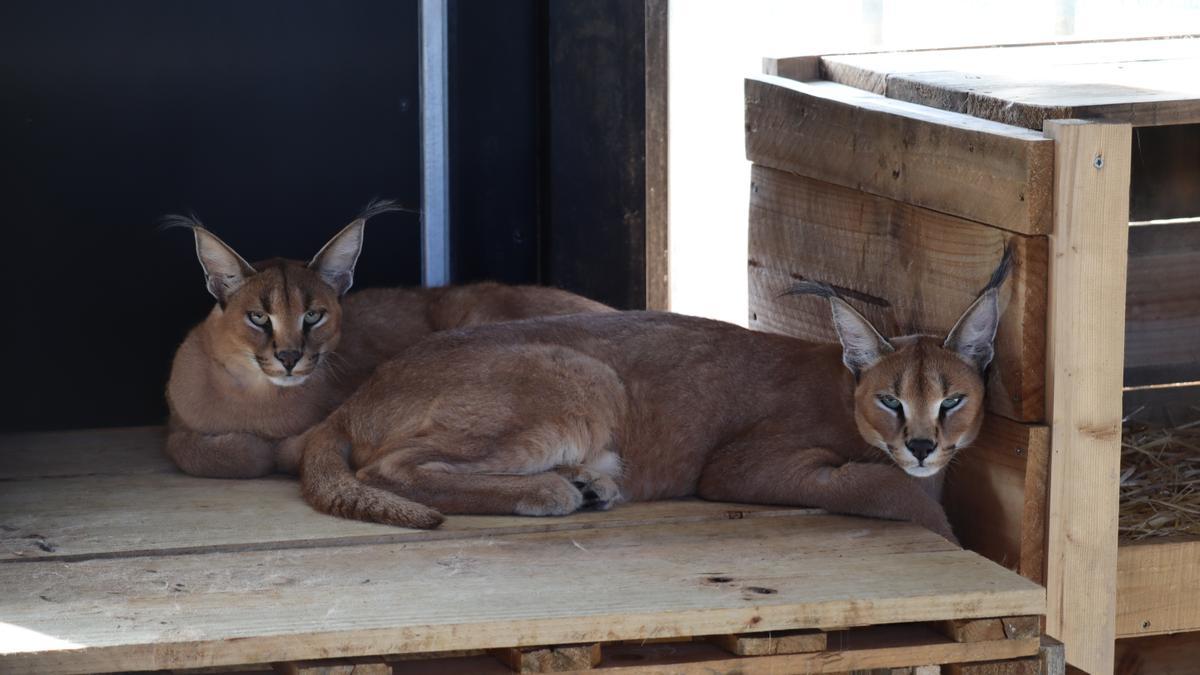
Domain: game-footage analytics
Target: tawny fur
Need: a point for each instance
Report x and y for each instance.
(545, 416)
(230, 419)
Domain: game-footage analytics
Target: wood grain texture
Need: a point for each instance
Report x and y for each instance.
(1085, 351)
(557, 659)
(1162, 315)
(79, 518)
(868, 650)
(636, 582)
(1006, 628)
(996, 495)
(908, 269)
(985, 171)
(360, 666)
(657, 134)
(769, 644)
(1026, 666)
(1158, 587)
(1052, 656)
(1140, 82)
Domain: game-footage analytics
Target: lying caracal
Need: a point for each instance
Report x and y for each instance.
(544, 417)
(282, 347)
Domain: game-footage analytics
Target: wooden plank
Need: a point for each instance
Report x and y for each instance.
(996, 492)
(981, 170)
(908, 269)
(1053, 657)
(771, 643)
(1085, 350)
(1026, 666)
(1141, 82)
(648, 581)
(91, 452)
(558, 659)
(75, 518)
(858, 652)
(800, 68)
(360, 666)
(976, 630)
(1165, 181)
(1158, 587)
(657, 118)
(1158, 655)
(1162, 321)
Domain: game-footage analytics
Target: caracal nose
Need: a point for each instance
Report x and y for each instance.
(289, 358)
(920, 447)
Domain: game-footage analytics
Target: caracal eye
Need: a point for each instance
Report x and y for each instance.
(951, 403)
(313, 316)
(258, 318)
(890, 401)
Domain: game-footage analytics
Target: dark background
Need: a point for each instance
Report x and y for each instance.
(275, 121)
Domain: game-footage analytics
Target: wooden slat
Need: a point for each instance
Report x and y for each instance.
(1162, 320)
(1158, 587)
(360, 666)
(657, 118)
(1085, 350)
(769, 644)
(1052, 656)
(908, 269)
(125, 516)
(977, 630)
(1141, 82)
(638, 582)
(995, 495)
(559, 659)
(1158, 655)
(1026, 666)
(871, 650)
(984, 171)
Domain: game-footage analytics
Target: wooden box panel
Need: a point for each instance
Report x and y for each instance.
(908, 269)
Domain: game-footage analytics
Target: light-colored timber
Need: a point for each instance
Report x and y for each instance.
(984, 171)
(1084, 356)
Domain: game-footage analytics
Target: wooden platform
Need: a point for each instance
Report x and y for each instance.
(110, 560)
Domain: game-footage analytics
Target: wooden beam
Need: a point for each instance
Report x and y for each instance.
(976, 630)
(908, 269)
(357, 666)
(985, 171)
(1052, 656)
(1162, 307)
(556, 659)
(657, 134)
(1027, 666)
(1085, 351)
(995, 494)
(1158, 587)
(1158, 655)
(769, 644)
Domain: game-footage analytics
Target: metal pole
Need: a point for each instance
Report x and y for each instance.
(435, 178)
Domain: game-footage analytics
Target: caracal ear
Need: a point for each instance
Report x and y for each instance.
(224, 270)
(974, 336)
(862, 345)
(336, 260)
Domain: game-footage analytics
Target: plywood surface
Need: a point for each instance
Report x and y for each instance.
(906, 268)
(154, 571)
(1141, 82)
(977, 169)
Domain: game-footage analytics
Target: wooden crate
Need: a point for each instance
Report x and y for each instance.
(900, 177)
(111, 560)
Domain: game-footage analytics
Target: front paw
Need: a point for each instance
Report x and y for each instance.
(557, 497)
(599, 490)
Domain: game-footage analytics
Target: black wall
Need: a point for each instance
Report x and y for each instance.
(276, 120)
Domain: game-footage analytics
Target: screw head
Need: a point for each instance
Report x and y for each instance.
(1098, 162)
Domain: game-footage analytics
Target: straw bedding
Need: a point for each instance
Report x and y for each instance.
(1160, 481)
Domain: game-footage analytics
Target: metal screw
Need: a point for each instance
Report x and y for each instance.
(1145, 625)
(1098, 162)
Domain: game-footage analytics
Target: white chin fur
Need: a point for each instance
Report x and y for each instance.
(290, 381)
(922, 471)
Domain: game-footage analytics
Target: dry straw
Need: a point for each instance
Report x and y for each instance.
(1160, 481)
